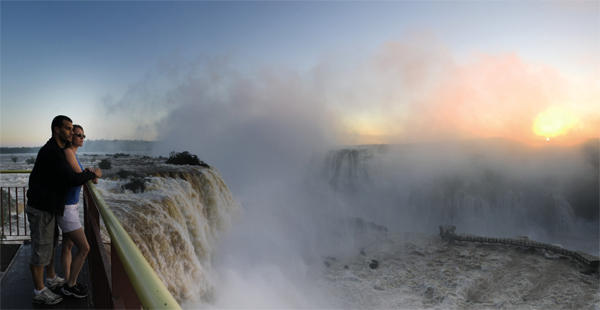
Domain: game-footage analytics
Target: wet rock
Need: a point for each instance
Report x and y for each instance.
(105, 164)
(374, 264)
(329, 260)
(429, 292)
(136, 185)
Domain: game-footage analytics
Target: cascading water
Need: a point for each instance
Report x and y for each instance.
(175, 222)
(347, 169)
(418, 187)
(415, 188)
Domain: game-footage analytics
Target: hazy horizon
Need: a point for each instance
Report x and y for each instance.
(349, 72)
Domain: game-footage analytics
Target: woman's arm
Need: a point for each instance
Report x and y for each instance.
(72, 160)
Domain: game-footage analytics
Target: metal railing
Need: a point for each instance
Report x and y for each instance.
(13, 218)
(126, 279)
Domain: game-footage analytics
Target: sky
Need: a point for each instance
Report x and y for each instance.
(371, 72)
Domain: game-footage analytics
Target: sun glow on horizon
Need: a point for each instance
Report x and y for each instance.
(554, 121)
(367, 128)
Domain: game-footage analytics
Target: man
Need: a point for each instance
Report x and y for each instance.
(49, 181)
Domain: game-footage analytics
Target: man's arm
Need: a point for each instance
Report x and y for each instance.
(97, 172)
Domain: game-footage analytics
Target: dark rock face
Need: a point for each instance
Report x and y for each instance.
(374, 264)
(105, 164)
(136, 185)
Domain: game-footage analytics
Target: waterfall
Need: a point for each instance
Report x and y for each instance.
(175, 222)
(475, 186)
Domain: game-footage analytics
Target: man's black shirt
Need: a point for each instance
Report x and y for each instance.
(51, 178)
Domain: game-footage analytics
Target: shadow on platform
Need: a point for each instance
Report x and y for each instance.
(17, 287)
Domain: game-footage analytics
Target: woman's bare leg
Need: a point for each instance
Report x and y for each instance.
(78, 238)
(66, 256)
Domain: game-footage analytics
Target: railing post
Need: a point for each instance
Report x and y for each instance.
(97, 259)
(2, 208)
(9, 218)
(17, 208)
(123, 294)
(24, 213)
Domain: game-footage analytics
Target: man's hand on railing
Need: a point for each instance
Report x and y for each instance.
(97, 172)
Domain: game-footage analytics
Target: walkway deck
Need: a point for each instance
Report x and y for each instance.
(17, 288)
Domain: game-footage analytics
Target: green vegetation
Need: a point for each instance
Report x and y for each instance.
(185, 158)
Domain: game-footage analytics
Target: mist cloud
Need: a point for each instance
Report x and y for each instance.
(406, 91)
(248, 126)
(416, 91)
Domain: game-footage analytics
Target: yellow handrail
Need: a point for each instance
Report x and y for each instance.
(15, 171)
(150, 290)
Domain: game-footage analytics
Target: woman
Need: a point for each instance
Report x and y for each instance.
(71, 226)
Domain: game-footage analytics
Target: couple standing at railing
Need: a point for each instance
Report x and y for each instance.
(54, 190)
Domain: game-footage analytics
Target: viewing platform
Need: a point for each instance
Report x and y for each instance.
(17, 286)
(115, 271)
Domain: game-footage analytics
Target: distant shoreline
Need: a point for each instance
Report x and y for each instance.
(104, 146)
(19, 150)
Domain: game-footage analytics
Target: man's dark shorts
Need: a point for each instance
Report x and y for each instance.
(44, 235)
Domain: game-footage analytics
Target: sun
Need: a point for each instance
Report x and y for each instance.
(367, 128)
(553, 122)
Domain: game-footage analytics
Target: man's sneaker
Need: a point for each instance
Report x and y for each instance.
(55, 283)
(78, 290)
(46, 297)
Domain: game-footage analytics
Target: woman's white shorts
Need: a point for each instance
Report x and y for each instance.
(70, 219)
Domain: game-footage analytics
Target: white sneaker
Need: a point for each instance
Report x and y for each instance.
(46, 297)
(55, 283)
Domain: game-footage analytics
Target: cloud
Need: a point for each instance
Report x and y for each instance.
(253, 125)
(408, 90)
(420, 92)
